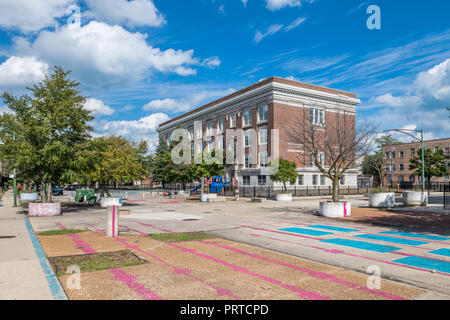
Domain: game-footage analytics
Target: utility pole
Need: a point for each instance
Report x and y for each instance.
(423, 161)
(15, 178)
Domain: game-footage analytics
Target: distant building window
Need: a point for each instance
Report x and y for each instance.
(317, 116)
(248, 160)
(262, 180)
(401, 179)
(447, 151)
(263, 162)
(413, 151)
(402, 167)
(412, 178)
(322, 180)
(401, 155)
(436, 149)
(221, 124)
(248, 118)
(314, 180)
(301, 180)
(263, 136)
(263, 113)
(246, 180)
(210, 129)
(232, 121)
(343, 180)
(248, 139)
(321, 159)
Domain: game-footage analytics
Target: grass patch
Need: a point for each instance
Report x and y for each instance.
(179, 237)
(96, 262)
(60, 232)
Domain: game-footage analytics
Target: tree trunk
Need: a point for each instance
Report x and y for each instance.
(336, 189)
(285, 188)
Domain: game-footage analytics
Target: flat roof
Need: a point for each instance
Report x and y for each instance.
(260, 84)
(415, 142)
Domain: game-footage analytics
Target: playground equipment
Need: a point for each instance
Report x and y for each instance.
(217, 184)
(86, 196)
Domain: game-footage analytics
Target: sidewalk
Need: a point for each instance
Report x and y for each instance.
(21, 274)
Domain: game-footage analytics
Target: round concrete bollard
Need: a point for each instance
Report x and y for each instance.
(382, 200)
(205, 196)
(29, 196)
(413, 198)
(284, 197)
(44, 209)
(108, 202)
(112, 221)
(332, 209)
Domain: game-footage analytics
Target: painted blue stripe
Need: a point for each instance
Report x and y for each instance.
(53, 282)
(320, 226)
(416, 235)
(442, 252)
(392, 239)
(362, 245)
(426, 263)
(306, 231)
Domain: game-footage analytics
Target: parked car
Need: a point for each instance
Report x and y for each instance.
(57, 191)
(70, 187)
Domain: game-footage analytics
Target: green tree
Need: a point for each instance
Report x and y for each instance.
(112, 159)
(375, 165)
(386, 141)
(160, 163)
(436, 164)
(284, 172)
(206, 166)
(41, 135)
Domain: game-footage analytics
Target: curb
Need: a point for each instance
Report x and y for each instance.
(52, 281)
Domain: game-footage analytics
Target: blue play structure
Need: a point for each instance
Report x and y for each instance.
(216, 184)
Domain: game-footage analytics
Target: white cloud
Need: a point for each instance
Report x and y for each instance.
(21, 71)
(270, 31)
(274, 5)
(135, 13)
(31, 15)
(212, 62)
(142, 129)
(97, 107)
(185, 104)
(4, 109)
(102, 54)
(431, 88)
(244, 2)
(435, 83)
(295, 24)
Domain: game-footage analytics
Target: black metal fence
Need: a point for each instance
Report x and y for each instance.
(446, 196)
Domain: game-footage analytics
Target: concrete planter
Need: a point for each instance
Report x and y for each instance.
(284, 197)
(29, 196)
(413, 198)
(204, 197)
(110, 202)
(332, 209)
(44, 209)
(382, 200)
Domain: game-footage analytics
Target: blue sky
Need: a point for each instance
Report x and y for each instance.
(142, 62)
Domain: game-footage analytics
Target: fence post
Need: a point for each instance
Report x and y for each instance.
(254, 192)
(307, 191)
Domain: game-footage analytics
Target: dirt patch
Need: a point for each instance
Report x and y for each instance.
(180, 237)
(96, 262)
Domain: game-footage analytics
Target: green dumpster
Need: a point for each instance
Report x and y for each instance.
(86, 196)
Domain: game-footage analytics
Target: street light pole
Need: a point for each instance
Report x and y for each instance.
(15, 178)
(423, 161)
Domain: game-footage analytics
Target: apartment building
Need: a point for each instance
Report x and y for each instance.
(258, 110)
(398, 157)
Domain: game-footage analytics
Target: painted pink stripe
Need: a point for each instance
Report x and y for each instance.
(281, 232)
(130, 282)
(154, 227)
(186, 272)
(169, 202)
(312, 273)
(61, 226)
(81, 243)
(94, 227)
(135, 230)
(334, 251)
(135, 201)
(310, 295)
